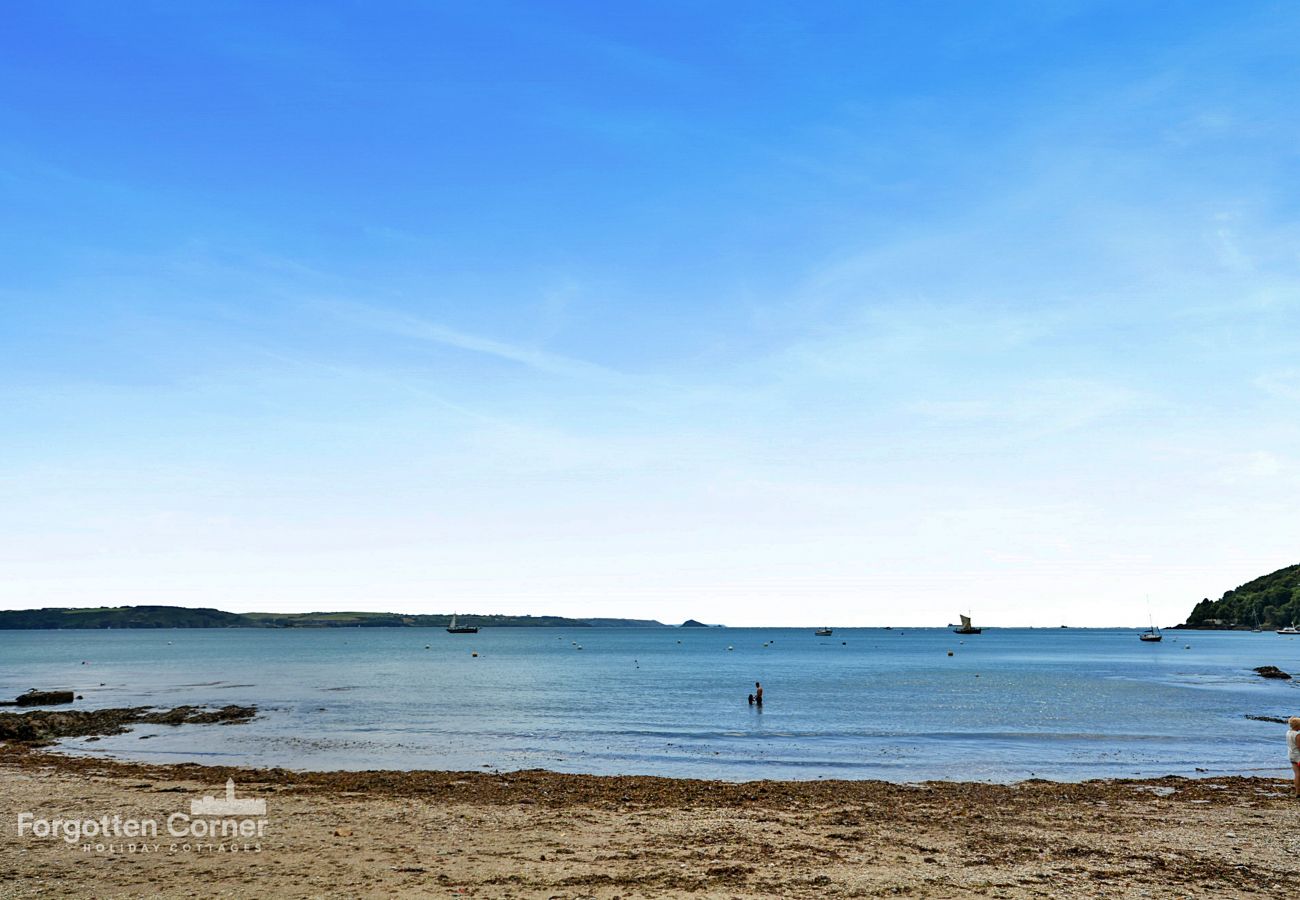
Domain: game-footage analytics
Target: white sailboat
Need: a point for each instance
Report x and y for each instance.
(1152, 634)
(966, 627)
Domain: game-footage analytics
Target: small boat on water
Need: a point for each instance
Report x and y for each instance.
(823, 632)
(1152, 634)
(966, 627)
(1290, 629)
(453, 628)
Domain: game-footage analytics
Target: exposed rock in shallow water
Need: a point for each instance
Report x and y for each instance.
(44, 698)
(39, 698)
(1271, 672)
(44, 726)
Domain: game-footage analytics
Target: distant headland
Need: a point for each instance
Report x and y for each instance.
(182, 617)
(1270, 601)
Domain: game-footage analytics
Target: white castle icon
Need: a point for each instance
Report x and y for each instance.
(228, 805)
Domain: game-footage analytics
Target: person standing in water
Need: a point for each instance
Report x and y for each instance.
(758, 697)
(1292, 749)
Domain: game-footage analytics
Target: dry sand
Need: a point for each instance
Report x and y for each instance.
(541, 834)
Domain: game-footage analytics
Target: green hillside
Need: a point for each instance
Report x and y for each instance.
(119, 617)
(1270, 601)
(180, 617)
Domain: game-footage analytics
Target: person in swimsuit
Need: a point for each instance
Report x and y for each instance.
(758, 697)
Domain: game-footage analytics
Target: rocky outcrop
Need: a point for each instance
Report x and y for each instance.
(1271, 672)
(45, 726)
(43, 698)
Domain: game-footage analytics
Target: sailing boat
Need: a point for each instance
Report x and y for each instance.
(966, 627)
(1152, 634)
(453, 628)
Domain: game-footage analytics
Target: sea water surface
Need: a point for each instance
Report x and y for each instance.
(1009, 704)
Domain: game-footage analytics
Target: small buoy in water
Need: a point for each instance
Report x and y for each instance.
(844, 643)
(729, 647)
(1188, 647)
(426, 646)
(475, 653)
(950, 653)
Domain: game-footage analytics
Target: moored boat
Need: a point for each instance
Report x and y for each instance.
(966, 627)
(1152, 634)
(453, 628)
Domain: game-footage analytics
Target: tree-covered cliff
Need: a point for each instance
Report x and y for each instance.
(1270, 601)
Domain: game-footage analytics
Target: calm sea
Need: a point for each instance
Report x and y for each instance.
(1008, 704)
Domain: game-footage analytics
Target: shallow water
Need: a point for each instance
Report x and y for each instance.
(1009, 704)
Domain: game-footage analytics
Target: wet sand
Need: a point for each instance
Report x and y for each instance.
(547, 835)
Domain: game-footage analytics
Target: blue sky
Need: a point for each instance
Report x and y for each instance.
(757, 313)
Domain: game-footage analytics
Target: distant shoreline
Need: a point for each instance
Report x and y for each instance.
(160, 617)
(145, 617)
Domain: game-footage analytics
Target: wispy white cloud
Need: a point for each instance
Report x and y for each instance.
(408, 326)
(1057, 404)
(1283, 384)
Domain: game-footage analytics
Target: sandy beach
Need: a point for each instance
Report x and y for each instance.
(547, 835)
